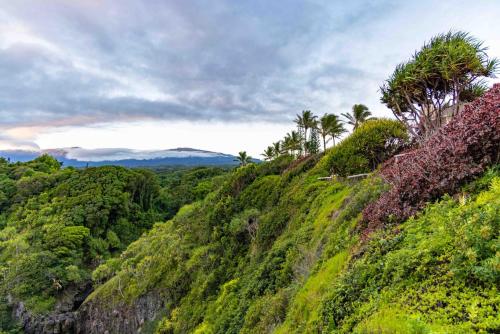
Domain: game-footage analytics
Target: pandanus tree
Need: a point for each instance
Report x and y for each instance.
(358, 115)
(447, 72)
(243, 158)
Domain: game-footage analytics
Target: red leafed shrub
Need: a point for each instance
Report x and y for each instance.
(459, 151)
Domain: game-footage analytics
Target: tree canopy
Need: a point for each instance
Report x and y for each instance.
(446, 72)
(360, 114)
(243, 158)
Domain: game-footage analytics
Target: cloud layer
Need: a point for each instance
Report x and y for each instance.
(77, 63)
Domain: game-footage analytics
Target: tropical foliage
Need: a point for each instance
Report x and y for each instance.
(454, 155)
(243, 158)
(269, 247)
(330, 128)
(446, 72)
(369, 145)
(310, 134)
(57, 225)
(274, 251)
(359, 115)
(435, 273)
(307, 120)
(181, 186)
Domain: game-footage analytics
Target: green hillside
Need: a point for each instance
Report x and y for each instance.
(392, 229)
(57, 225)
(277, 248)
(305, 269)
(272, 248)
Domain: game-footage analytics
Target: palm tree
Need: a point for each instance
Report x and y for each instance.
(243, 158)
(277, 148)
(360, 114)
(268, 153)
(292, 143)
(299, 121)
(336, 128)
(323, 127)
(300, 124)
(287, 144)
(306, 121)
(296, 141)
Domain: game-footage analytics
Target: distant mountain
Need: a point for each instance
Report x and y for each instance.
(80, 157)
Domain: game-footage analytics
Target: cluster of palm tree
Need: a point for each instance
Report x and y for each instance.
(329, 127)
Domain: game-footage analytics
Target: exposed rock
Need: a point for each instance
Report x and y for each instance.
(61, 321)
(94, 318)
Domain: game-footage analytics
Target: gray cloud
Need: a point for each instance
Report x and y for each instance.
(15, 143)
(70, 62)
(83, 62)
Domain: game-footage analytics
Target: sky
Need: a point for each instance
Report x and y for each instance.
(218, 75)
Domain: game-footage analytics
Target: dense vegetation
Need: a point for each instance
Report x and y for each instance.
(372, 143)
(434, 83)
(278, 247)
(181, 186)
(455, 154)
(57, 225)
(277, 250)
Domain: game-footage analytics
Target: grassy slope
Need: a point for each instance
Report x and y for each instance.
(305, 269)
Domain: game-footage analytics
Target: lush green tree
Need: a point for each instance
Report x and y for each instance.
(336, 129)
(329, 125)
(369, 145)
(268, 153)
(57, 224)
(313, 144)
(277, 149)
(292, 143)
(307, 120)
(323, 128)
(446, 72)
(181, 186)
(243, 158)
(358, 115)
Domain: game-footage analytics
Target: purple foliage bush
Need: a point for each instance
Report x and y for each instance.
(458, 152)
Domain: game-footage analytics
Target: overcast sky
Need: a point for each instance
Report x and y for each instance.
(216, 75)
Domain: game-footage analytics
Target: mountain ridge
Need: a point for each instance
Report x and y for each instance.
(81, 157)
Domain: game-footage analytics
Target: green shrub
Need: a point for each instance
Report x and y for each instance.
(262, 193)
(439, 270)
(369, 145)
